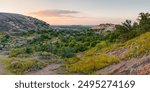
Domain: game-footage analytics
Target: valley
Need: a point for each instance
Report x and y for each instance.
(43, 49)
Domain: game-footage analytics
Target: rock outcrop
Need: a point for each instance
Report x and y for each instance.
(104, 27)
(137, 66)
(17, 23)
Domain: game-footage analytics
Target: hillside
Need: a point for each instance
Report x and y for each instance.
(135, 66)
(17, 23)
(33, 50)
(124, 51)
(133, 57)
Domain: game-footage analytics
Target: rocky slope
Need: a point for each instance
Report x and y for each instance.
(138, 66)
(16, 23)
(134, 57)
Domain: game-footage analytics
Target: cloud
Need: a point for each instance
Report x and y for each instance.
(55, 13)
(68, 17)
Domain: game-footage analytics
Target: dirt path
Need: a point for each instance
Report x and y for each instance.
(3, 71)
(48, 70)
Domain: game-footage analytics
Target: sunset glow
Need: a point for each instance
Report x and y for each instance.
(77, 12)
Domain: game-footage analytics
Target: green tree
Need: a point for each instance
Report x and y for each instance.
(144, 18)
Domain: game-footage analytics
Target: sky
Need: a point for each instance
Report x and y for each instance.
(77, 12)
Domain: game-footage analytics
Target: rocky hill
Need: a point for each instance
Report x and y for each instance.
(10, 22)
(104, 27)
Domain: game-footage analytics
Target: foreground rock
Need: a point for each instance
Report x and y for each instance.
(139, 66)
(17, 23)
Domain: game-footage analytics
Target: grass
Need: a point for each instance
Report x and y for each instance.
(89, 64)
(71, 60)
(138, 46)
(95, 49)
(102, 47)
(16, 51)
(22, 65)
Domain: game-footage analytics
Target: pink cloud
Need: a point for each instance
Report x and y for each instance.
(55, 13)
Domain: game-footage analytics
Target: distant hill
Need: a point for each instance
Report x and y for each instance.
(10, 22)
(70, 27)
(104, 27)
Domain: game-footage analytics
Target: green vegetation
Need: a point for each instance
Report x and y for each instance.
(22, 65)
(126, 42)
(20, 51)
(82, 51)
(5, 38)
(133, 48)
(62, 43)
(45, 46)
(138, 46)
(129, 30)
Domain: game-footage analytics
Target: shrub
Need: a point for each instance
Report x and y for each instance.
(17, 51)
(71, 60)
(22, 66)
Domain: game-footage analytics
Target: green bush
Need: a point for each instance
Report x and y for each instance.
(17, 51)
